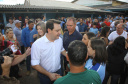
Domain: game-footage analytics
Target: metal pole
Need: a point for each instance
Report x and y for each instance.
(45, 17)
(4, 18)
(72, 14)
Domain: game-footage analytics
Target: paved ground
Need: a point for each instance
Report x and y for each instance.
(33, 78)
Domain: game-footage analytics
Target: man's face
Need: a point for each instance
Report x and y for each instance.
(94, 26)
(70, 26)
(96, 20)
(31, 25)
(119, 29)
(10, 21)
(81, 21)
(26, 20)
(56, 31)
(1, 37)
(18, 24)
(107, 20)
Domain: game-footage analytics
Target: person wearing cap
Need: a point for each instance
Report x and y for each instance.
(10, 24)
(17, 31)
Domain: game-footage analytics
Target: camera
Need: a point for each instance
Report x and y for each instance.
(5, 52)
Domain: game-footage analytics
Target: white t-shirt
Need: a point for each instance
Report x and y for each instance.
(112, 25)
(114, 35)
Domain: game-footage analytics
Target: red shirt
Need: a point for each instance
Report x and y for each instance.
(8, 43)
(2, 45)
(107, 23)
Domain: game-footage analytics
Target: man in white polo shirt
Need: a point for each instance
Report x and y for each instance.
(46, 52)
(119, 32)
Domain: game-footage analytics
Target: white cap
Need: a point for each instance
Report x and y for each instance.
(17, 21)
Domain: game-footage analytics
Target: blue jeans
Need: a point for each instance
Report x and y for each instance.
(114, 78)
(45, 79)
(28, 62)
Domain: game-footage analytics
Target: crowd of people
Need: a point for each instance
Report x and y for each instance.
(67, 51)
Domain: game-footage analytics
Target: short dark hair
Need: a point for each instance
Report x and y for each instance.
(104, 31)
(77, 52)
(90, 35)
(103, 24)
(10, 18)
(94, 23)
(27, 18)
(30, 21)
(100, 50)
(50, 24)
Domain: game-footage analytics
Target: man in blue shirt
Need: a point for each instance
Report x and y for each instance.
(82, 26)
(26, 42)
(34, 31)
(70, 35)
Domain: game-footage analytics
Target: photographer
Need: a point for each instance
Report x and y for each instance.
(11, 61)
(8, 62)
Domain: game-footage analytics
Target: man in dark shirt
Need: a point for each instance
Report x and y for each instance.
(82, 26)
(70, 35)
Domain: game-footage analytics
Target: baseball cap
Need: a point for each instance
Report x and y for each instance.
(16, 21)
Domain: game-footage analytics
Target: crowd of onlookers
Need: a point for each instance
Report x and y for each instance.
(100, 53)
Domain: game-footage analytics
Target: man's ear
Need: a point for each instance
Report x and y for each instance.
(49, 30)
(67, 57)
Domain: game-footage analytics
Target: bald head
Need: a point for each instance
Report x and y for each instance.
(120, 28)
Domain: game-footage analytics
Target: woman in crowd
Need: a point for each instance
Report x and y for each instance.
(9, 37)
(5, 34)
(115, 63)
(104, 34)
(41, 29)
(97, 52)
(87, 37)
(14, 69)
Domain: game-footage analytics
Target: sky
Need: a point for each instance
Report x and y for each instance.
(80, 2)
(65, 0)
(11, 2)
(14, 2)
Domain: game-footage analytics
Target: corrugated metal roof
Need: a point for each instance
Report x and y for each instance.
(113, 7)
(52, 5)
(61, 5)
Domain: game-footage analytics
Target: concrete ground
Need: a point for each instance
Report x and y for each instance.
(33, 78)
